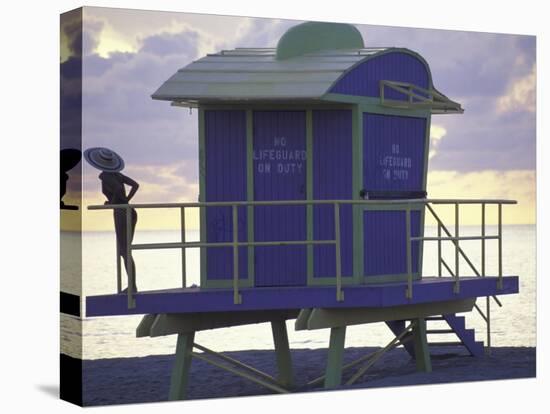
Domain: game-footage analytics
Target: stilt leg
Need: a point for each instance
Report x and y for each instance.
(180, 372)
(421, 350)
(282, 350)
(397, 327)
(333, 375)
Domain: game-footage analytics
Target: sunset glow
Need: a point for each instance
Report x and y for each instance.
(488, 152)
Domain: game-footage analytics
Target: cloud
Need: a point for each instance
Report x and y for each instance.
(475, 69)
(71, 33)
(71, 80)
(125, 30)
(129, 54)
(117, 109)
(91, 32)
(437, 132)
(165, 44)
(158, 142)
(521, 95)
(482, 138)
(262, 32)
(462, 63)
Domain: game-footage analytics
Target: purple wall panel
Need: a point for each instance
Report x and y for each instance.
(385, 245)
(225, 153)
(364, 80)
(393, 152)
(280, 174)
(332, 179)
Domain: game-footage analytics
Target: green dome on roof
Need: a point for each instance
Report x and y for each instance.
(314, 36)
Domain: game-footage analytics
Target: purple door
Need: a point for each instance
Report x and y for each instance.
(280, 174)
(393, 168)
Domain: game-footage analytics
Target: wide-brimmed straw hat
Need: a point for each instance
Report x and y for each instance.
(104, 159)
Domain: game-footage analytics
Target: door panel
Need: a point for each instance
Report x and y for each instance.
(332, 180)
(280, 174)
(385, 244)
(393, 168)
(393, 153)
(225, 164)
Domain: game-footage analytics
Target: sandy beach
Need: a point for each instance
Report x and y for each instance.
(147, 379)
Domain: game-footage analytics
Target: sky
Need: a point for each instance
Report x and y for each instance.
(487, 152)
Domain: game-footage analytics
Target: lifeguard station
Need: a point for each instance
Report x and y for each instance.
(313, 161)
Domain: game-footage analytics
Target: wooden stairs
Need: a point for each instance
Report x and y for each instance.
(457, 327)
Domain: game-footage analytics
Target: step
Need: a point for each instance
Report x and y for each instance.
(445, 344)
(477, 349)
(456, 320)
(435, 318)
(466, 336)
(440, 331)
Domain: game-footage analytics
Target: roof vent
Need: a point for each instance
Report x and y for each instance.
(312, 37)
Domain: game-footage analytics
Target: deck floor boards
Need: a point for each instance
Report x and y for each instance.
(428, 289)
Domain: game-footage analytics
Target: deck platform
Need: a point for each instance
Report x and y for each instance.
(426, 290)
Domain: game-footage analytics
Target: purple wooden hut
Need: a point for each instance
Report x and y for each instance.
(318, 118)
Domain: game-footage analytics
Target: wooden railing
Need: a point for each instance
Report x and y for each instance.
(459, 252)
(408, 205)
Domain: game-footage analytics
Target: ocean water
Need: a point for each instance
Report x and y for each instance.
(514, 324)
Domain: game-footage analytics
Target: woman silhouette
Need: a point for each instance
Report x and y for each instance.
(112, 186)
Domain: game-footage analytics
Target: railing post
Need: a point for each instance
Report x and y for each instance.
(339, 293)
(448, 233)
(457, 257)
(499, 284)
(237, 299)
(488, 316)
(439, 270)
(129, 267)
(183, 250)
(488, 298)
(409, 292)
(118, 268)
(483, 239)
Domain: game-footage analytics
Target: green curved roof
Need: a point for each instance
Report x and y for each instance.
(309, 59)
(310, 37)
(255, 74)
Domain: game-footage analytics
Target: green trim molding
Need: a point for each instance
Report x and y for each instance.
(309, 193)
(250, 194)
(357, 185)
(202, 195)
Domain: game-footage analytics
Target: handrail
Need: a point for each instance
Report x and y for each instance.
(408, 206)
(442, 226)
(459, 252)
(300, 202)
